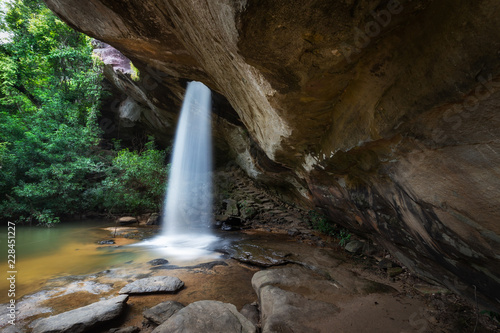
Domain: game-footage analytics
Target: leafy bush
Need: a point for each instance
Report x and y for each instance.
(135, 182)
(319, 222)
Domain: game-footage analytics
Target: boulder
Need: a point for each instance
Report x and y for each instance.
(231, 207)
(294, 298)
(125, 220)
(207, 316)
(82, 319)
(162, 312)
(156, 284)
(285, 311)
(251, 312)
(154, 219)
(354, 246)
(289, 311)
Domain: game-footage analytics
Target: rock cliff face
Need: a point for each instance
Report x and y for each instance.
(384, 114)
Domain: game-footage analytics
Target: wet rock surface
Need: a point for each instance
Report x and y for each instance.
(157, 262)
(156, 284)
(257, 255)
(82, 319)
(107, 242)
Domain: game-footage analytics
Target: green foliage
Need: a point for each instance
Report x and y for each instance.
(135, 182)
(344, 236)
(491, 314)
(319, 222)
(246, 209)
(49, 99)
(51, 164)
(135, 72)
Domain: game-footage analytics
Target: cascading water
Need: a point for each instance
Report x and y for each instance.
(188, 202)
(187, 213)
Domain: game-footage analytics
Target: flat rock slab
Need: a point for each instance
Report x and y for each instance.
(82, 319)
(127, 220)
(207, 316)
(160, 313)
(257, 255)
(156, 284)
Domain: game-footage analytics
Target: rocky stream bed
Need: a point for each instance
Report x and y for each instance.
(263, 282)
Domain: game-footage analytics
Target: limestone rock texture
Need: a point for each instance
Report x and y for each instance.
(382, 114)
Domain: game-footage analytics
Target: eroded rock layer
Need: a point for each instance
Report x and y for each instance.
(384, 114)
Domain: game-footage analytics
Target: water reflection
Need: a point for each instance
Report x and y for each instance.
(67, 249)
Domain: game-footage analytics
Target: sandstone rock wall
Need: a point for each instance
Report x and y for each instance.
(384, 114)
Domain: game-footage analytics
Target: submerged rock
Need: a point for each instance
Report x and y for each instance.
(107, 242)
(207, 316)
(156, 284)
(162, 312)
(82, 319)
(157, 262)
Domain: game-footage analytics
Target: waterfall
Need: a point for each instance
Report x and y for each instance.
(188, 201)
(187, 210)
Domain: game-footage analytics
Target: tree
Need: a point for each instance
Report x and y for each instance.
(50, 161)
